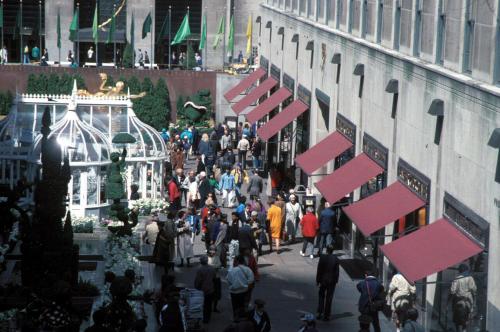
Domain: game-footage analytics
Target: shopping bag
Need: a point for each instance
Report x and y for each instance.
(232, 201)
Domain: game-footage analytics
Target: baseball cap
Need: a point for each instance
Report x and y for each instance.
(308, 317)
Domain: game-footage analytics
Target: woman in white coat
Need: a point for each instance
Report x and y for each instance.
(184, 239)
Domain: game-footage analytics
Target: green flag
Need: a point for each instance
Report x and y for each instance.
(73, 28)
(111, 31)
(146, 26)
(163, 30)
(220, 31)
(1, 16)
(230, 43)
(58, 29)
(17, 28)
(95, 27)
(183, 32)
(203, 38)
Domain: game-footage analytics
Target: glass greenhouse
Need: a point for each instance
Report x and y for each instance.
(84, 127)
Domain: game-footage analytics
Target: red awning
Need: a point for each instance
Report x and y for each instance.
(429, 250)
(281, 119)
(383, 208)
(254, 95)
(348, 178)
(268, 105)
(326, 150)
(244, 84)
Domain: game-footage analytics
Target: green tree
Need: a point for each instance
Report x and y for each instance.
(53, 87)
(135, 85)
(41, 86)
(180, 104)
(32, 85)
(161, 89)
(80, 82)
(5, 102)
(128, 57)
(147, 86)
(66, 84)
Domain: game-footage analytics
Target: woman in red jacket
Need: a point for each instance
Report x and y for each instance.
(310, 226)
(174, 195)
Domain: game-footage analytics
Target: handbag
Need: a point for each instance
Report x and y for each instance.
(374, 305)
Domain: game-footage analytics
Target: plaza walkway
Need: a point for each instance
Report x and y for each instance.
(287, 285)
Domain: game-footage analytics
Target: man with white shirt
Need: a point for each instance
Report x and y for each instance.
(243, 147)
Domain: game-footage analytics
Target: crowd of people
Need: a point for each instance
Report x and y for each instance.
(217, 199)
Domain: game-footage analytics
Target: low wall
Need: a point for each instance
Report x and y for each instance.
(179, 82)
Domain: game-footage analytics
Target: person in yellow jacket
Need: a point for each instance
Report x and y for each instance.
(239, 177)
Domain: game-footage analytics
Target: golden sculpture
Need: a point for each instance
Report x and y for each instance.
(109, 91)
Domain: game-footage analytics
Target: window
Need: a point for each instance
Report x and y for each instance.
(302, 9)
(468, 37)
(418, 28)
(294, 5)
(397, 26)
(497, 55)
(331, 12)
(355, 14)
(386, 21)
(370, 17)
(426, 42)
(441, 33)
(311, 9)
(343, 11)
(453, 31)
(380, 20)
(405, 12)
(321, 11)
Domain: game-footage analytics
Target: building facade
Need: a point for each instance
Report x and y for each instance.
(413, 85)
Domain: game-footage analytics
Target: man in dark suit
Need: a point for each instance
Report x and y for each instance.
(246, 238)
(255, 185)
(204, 188)
(246, 215)
(371, 291)
(327, 277)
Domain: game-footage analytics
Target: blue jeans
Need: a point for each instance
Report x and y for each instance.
(256, 162)
(26, 58)
(323, 240)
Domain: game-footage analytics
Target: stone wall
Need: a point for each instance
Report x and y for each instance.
(186, 83)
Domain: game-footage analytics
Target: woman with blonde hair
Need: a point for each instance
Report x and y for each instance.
(204, 147)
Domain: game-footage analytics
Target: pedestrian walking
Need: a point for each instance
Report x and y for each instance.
(164, 250)
(193, 220)
(215, 261)
(184, 240)
(463, 295)
(177, 157)
(35, 53)
(259, 317)
(256, 152)
(400, 297)
(243, 147)
(4, 55)
(204, 187)
(227, 185)
(204, 147)
(226, 141)
(255, 185)
(245, 238)
(220, 238)
(70, 58)
(186, 146)
(240, 278)
(90, 54)
(151, 233)
(371, 298)
(310, 226)
(174, 194)
(26, 55)
(240, 57)
(275, 221)
(293, 216)
(205, 282)
(410, 324)
(193, 194)
(146, 58)
(326, 228)
(327, 277)
(140, 58)
(165, 135)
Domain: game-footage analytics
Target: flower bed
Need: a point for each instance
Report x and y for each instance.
(147, 206)
(84, 224)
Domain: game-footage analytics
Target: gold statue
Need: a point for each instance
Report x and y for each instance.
(109, 91)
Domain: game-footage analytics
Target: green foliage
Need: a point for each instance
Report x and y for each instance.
(180, 104)
(161, 89)
(128, 57)
(188, 114)
(53, 87)
(54, 84)
(134, 85)
(5, 102)
(147, 86)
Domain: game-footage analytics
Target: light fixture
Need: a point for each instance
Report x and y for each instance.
(494, 141)
(392, 86)
(336, 58)
(258, 20)
(310, 45)
(281, 31)
(436, 108)
(359, 70)
(295, 38)
(269, 24)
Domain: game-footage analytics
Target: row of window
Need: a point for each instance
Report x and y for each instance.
(456, 34)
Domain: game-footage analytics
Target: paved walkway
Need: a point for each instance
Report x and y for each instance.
(287, 284)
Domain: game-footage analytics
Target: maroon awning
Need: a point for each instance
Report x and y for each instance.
(281, 120)
(329, 148)
(244, 84)
(254, 95)
(349, 177)
(268, 105)
(429, 250)
(382, 208)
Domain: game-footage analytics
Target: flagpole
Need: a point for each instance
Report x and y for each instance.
(78, 34)
(39, 25)
(151, 56)
(3, 24)
(20, 30)
(205, 48)
(169, 36)
(250, 56)
(224, 40)
(114, 37)
(97, 39)
(187, 44)
(59, 37)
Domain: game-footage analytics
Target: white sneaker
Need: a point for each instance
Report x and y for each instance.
(312, 256)
(302, 254)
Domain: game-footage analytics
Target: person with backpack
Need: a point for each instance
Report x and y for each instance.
(400, 296)
(371, 299)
